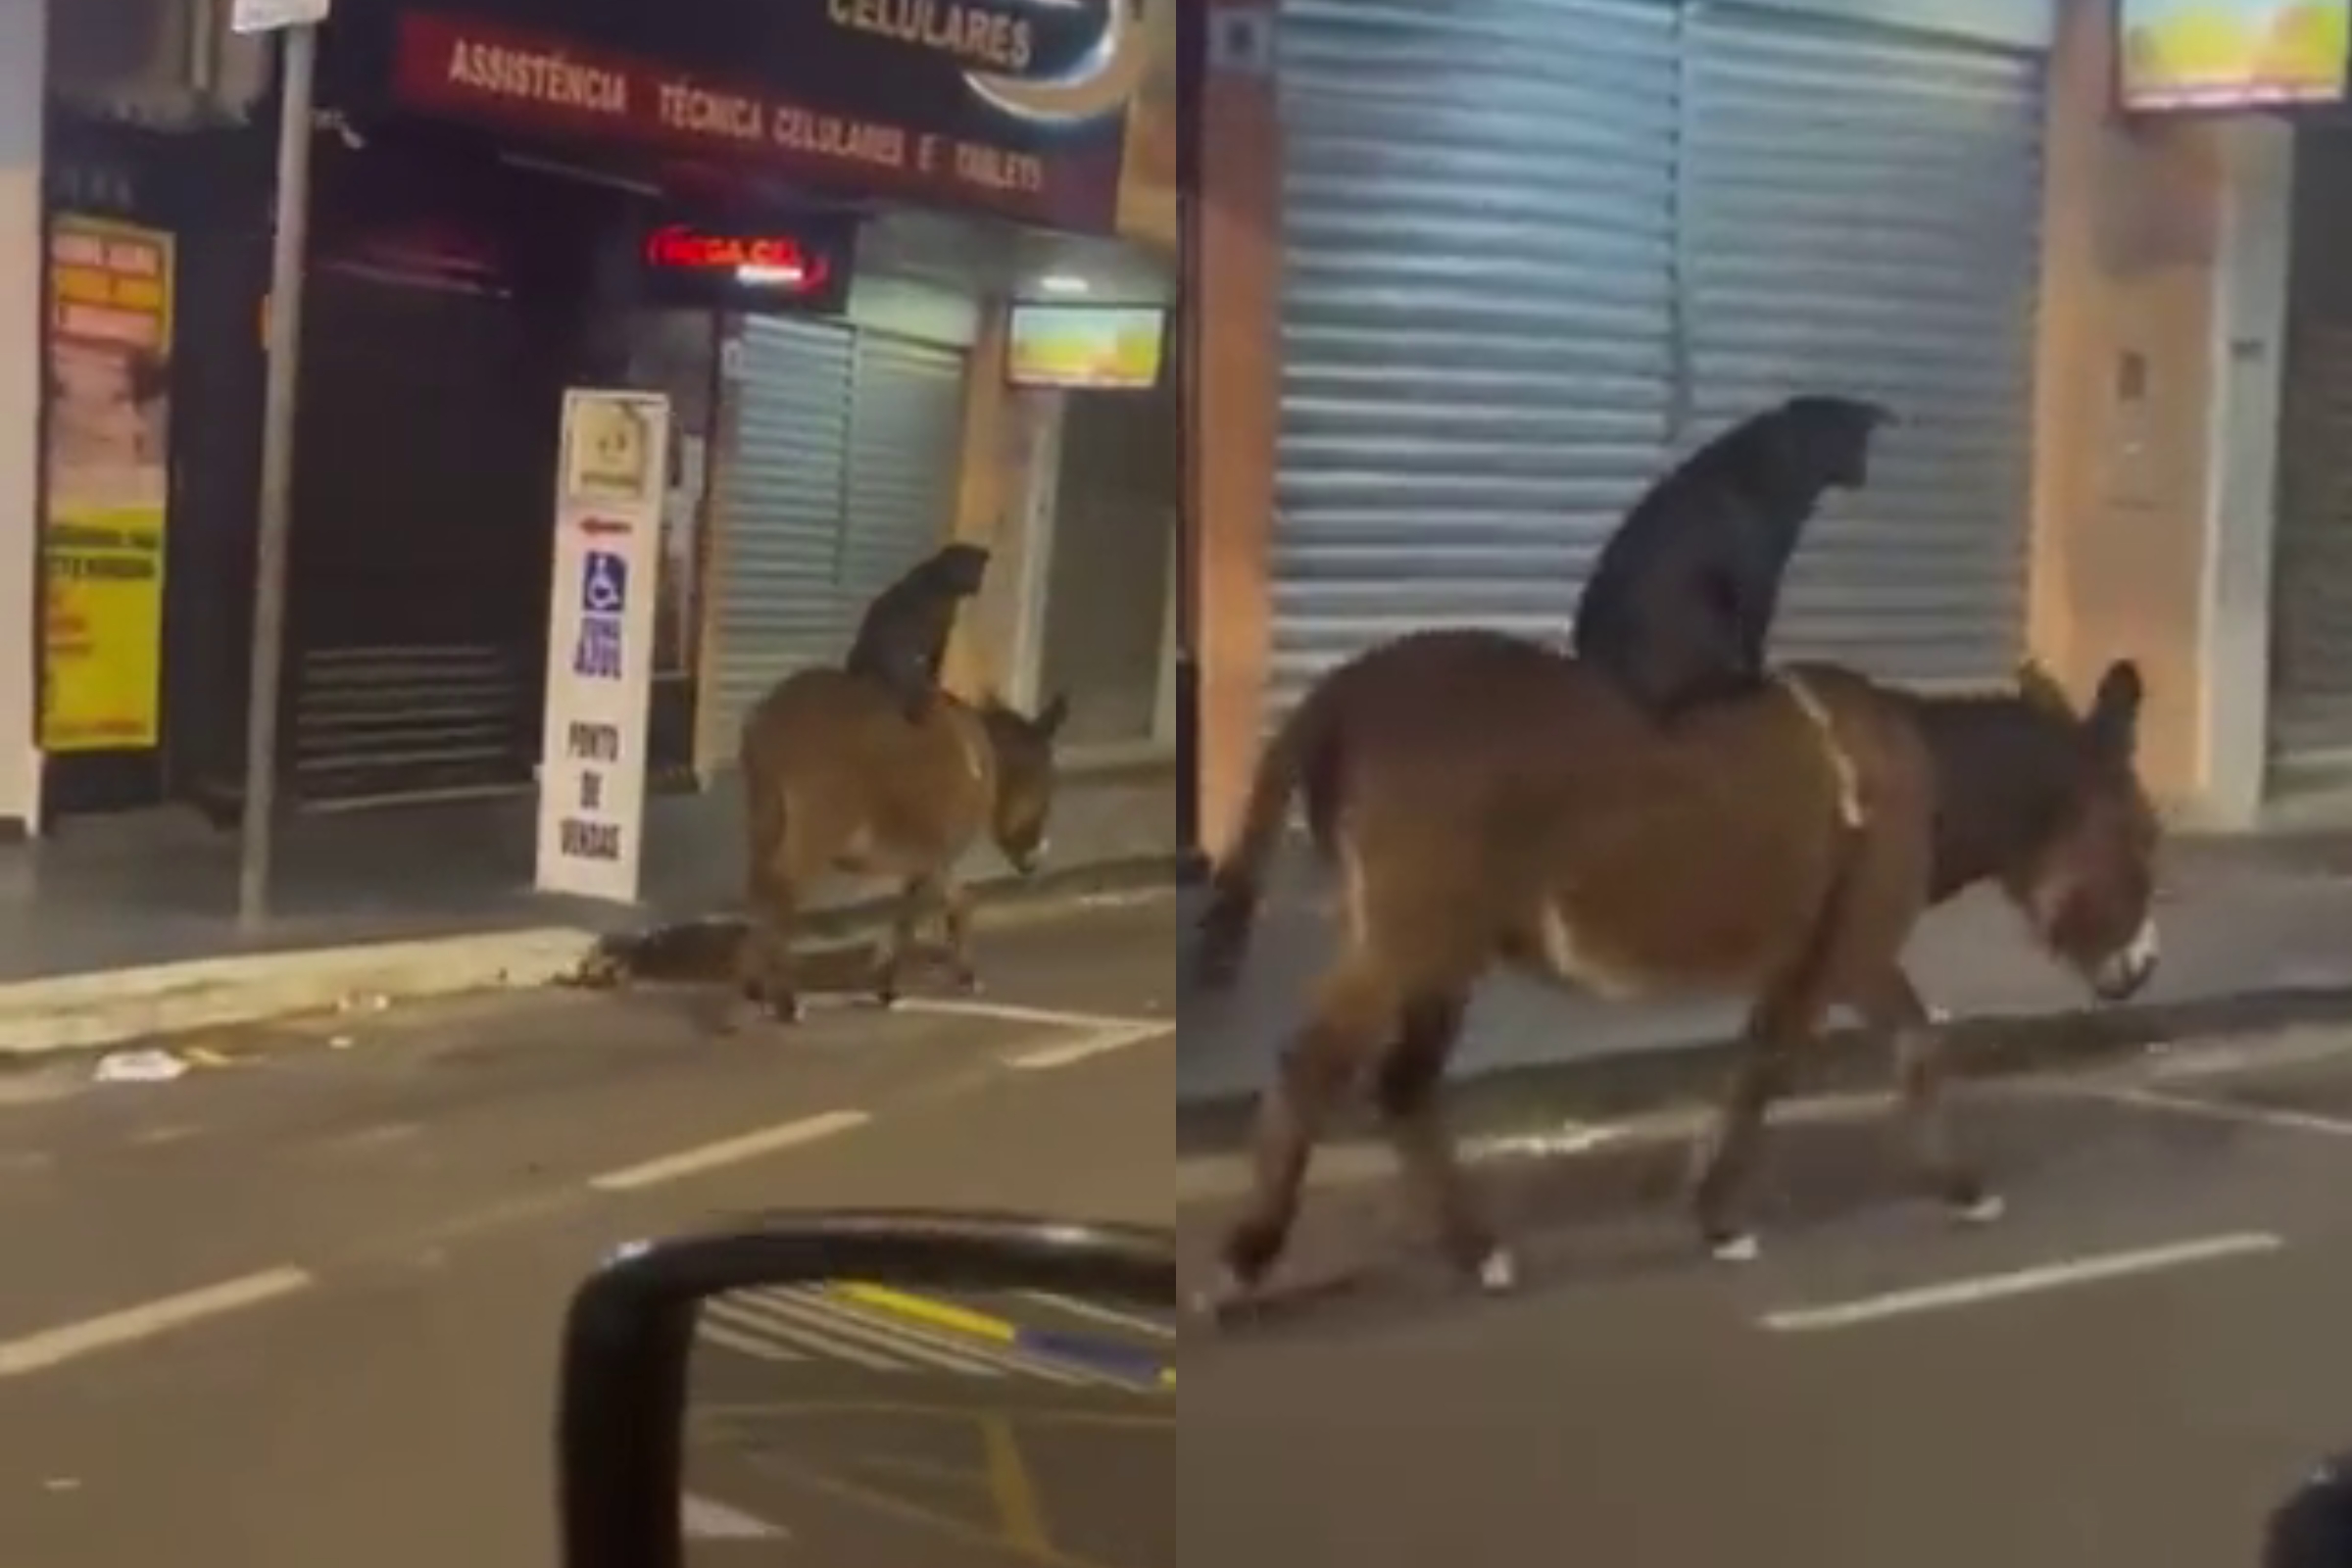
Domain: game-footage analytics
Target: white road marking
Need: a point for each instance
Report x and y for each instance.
(1012, 1012)
(729, 1152)
(982, 1357)
(795, 1324)
(709, 1327)
(1097, 1042)
(69, 1341)
(796, 1313)
(701, 1519)
(1987, 1288)
(1102, 1314)
(2294, 1121)
(158, 1137)
(751, 1314)
(2299, 1049)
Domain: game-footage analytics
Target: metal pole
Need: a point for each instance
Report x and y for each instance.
(298, 62)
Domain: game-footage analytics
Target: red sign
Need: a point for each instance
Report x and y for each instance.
(779, 262)
(475, 70)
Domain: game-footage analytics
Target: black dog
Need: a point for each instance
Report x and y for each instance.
(2313, 1527)
(903, 638)
(1680, 604)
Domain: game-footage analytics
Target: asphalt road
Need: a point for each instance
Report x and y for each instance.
(302, 1311)
(2129, 1369)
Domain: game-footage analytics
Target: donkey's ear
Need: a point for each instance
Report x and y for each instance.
(1049, 719)
(2036, 686)
(2115, 711)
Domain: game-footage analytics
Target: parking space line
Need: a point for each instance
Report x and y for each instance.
(729, 1152)
(2293, 1121)
(1984, 1288)
(35, 1352)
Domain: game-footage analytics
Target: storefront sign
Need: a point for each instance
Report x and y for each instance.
(273, 15)
(600, 653)
(1096, 346)
(2232, 54)
(1016, 105)
(109, 484)
(805, 268)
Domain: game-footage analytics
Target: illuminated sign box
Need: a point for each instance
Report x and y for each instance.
(2232, 54)
(803, 267)
(1102, 346)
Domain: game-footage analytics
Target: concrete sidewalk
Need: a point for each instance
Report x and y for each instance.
(2245, 921)
(46, 1015)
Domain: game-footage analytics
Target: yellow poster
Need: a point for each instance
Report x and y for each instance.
(2226, 53)
(109, 484)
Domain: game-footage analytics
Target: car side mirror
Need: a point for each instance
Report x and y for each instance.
(1087, 1307)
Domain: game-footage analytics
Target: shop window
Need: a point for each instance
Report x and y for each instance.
(1105, 622)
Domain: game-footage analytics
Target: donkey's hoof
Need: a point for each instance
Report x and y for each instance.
(886, 1000)
(1497, 1273)
(784, 1012)
(1733, 1246)
(966, 983)
(1983, 1208)
(1225, 1293)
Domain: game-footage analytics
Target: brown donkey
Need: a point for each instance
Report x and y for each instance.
(1486, 798)
(835, 779)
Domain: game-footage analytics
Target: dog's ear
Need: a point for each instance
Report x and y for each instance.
(2039, 687)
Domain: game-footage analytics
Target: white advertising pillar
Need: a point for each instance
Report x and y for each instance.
(23, 28)
(599, 647)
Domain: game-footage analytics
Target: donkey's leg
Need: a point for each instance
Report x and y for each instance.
(1889, 1005)
(1355, 1014)
(955, 922)
(1409, 1087)
(764, 965)
(916, 896)
(1726, 1155)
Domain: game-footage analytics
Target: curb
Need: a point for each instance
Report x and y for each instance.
(1535, 1099)
(40, 1018)
(86, 1011)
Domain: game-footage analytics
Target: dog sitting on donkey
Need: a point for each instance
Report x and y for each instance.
(1661, 813)
(871, 768)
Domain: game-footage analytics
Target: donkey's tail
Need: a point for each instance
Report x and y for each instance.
(1300, 759)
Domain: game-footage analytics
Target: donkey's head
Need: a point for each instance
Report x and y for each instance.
(1025, 769)
(2086, 880)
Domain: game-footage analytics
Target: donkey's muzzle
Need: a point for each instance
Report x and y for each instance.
(2121, 977)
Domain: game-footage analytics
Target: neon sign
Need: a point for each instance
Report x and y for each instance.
(763, 261)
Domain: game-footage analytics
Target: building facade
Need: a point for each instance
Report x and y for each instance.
(1492, 284)
(496, 185)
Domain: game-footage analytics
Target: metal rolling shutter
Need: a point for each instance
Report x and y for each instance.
(905, 434)
(787, 475)
(2311, 627)
(1476, 316)
(1861, 215)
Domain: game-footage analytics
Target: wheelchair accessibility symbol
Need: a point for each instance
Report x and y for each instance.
(603, 583)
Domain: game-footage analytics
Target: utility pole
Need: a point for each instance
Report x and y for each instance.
(297, 24)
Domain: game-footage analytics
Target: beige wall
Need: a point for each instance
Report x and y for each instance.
(1147, 160)
(1235, 295)
(2132, 224)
